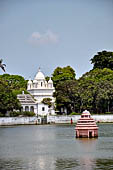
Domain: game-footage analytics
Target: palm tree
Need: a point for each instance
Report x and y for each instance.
(2, 65)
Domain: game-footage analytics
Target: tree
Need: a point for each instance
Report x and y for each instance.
(63, 80)
(62, 74)
(17, 83)
(104, 100)
(47, 78)
(47, 101)
(102, 60)
(67, 96)
(2, 65)
(95, 88)
(10, 86)
(8, 100)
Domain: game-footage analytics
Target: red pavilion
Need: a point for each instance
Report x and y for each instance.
(86, 126)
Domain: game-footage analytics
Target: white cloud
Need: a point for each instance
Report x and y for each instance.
(46, 38)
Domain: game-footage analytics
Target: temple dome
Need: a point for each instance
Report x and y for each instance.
(29, 82)
(35, 81)
(39, 76)
(86, 112)
(50, 80)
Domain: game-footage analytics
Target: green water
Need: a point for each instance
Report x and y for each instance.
(51, 147)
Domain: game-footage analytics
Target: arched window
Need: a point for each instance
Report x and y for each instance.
(26, 108)
(31, 109)
(43, 108)
(41, 84)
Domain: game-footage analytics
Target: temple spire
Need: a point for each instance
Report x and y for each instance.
(39, 69)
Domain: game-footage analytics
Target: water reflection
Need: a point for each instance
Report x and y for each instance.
(54, 148)
(62, 164)
(87, 147)
(42, 163)
(11, 164)
(104, 164)
(88, 143)
(86, 164)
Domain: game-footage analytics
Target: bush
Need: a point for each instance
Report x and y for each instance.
(108, 113)
(74, 113)
(26, 113)
(1, 115)
(15, 114)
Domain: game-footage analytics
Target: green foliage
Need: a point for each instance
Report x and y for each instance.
(14, 81)
(2, 66)
(47, 101)
(10, 86)
(19, 91)
(63, 80)
(25, 114)
(93, 91)
(98, 74)
(15, 114)
(62, 74)
(102, 60)
(1, 115)
(30, 114)
(67, 96)
(108, 113)
(96, 90)
(47, 78)
(74, 113)
(8, 100)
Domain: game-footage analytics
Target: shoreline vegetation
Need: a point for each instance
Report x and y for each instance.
(93, 91)
(32, 114)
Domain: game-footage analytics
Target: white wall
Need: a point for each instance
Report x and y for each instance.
(17, 120)
(51, 119)
(67, 119)
(40, 111)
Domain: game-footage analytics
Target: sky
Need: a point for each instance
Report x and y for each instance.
(53, 33)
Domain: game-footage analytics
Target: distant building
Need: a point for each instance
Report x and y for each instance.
(39, 88)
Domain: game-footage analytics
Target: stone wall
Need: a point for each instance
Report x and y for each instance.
(18, 120)
(51, 119)
(67, 119)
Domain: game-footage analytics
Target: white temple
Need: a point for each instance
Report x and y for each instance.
(39, 88)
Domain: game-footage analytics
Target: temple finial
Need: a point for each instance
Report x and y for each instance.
(39, 69)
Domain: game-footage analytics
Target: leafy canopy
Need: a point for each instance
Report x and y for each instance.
(8, 100)
(96, 92)
(15, 82)
(102, 60)
(47, 101)
(62, 74)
